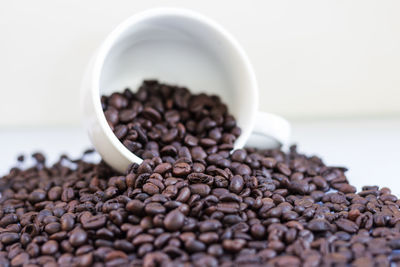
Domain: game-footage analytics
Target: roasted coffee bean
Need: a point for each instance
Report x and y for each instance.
(125, 115)
(53, 227)
(201, 189)
(347, 225)
(67, 221)
(209, 237)
(21, 259)
(94, 222)
(181, 169)
(121, 131)
(111, 116)
(8, 219)
(200, 178)
(37, 195)
(135, 206)
(192, 201)
(33, 249)
(78, 237)
(233, 245)
(151, 189)
(50, 247)
(236, 184)
(8, 238)
(67, 194)
(209, 225)
(55, 193)
(154, 208)
(174, 220)
(117, 101)
(318, 225)
(160, 120)
(193, 245)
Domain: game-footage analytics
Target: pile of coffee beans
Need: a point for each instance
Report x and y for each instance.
(169, 122)
(245, 208)
(251, 208)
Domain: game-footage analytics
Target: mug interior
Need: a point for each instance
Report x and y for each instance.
(185, 49)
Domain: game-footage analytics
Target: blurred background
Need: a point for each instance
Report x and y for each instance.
(313, 59)
(331, 67)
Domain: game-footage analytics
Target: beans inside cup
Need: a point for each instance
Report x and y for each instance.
(182, 207)
(161, 120)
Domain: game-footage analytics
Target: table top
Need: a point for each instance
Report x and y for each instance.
(370, 149)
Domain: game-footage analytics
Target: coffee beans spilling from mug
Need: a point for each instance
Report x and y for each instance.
(191, 208)
(169, 122)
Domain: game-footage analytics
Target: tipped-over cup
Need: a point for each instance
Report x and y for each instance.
(180, 47)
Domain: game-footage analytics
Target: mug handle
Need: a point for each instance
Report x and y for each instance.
(270, 131)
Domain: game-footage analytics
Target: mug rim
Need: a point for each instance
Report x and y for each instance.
(149, 14)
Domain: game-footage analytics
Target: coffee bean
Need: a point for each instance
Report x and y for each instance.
(287, 261)
(78, 237)
(236, 184)
(318, 225)
(118, 101)
(174, 220)
(154, 208)
(190, 140)
(111, 116)
(346, 225)
(67, 221)
(209, 237)
(8, 219)
(233, 245)
(121, 131)
(200, 189)
(135, 206)
(198, 153)
(284, 169)
(193, 245)
(192, 201)
(200, 178)
(268, 162)
(19, 260)
(50, 247)
(55, 193)
(85, 260)
(67, 194)
(209, 225)
(37, 196)
(151, 189)
(239, 155)
(258, 231)
(53, 227)
(230, 207)
(151, 114)
(142, 238)
(8, 238)
(181, 169)
(93, 222)
(162, 168)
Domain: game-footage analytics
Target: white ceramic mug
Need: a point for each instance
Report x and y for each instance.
(181, 47)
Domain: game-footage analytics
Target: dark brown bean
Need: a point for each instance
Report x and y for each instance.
(236, 184)
(192, 201)
(78, 237)
(174, 220)
(67, 222)
(347, 225)
(50, 247)
(154, 208)
(94, 222)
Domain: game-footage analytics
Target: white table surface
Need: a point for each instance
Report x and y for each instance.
(369, 148)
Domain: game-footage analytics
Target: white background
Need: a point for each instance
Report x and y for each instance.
(313, 59)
